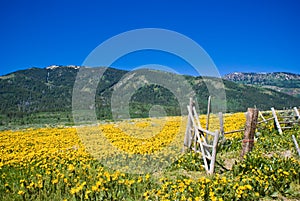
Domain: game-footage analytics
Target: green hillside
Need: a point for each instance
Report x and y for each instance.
(44, 96)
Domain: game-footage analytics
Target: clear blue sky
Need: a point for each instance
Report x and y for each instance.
(247, 36)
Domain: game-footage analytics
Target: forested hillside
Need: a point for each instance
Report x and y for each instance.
(45, 95)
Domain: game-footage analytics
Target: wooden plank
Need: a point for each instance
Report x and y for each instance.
(288, 122)
(296, 144)
(197, 136)
(187, 139)
(197, 117)
(296, 112)
(208, 145)
(286, 117)
(276, 121)
(251, 121)
(203, 153)
(269, 119)
(207, 132)
(191, 116)
(196, 127)
(195, 139)
(207, 153)
(234, 131)
(214, 154)
(260, 114)
(221, 121)
(208, 112)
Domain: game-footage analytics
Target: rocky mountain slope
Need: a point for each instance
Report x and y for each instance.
(288, 83)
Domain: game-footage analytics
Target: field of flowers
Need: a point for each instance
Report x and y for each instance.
(81, 164)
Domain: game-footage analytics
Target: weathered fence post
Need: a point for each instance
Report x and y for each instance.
(188, 136)
(276, 121)
(208, 112)
(208, 116)
(251, 121)
(221, 126)
(296, 113)
(296, 144)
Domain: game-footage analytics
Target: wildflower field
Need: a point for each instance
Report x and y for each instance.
(59, 164)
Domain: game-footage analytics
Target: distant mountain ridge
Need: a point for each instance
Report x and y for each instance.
(38, 94)
(284, 82)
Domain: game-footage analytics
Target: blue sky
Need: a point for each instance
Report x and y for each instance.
(247, 36)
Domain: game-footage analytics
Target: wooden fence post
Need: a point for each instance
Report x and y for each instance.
(221, 126)
(251, 121)
(188, 137)
(276, 121)
(208, 113)
(296, 144)
(208, 116)
(297, 113)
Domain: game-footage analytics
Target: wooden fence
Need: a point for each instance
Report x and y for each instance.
(197, 138)
(203, 141)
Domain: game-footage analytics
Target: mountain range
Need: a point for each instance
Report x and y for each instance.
(288, 83)
(44, 95)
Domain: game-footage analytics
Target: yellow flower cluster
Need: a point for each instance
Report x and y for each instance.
(59, 164)
(141, 137)
(39, 145)
(232, 122)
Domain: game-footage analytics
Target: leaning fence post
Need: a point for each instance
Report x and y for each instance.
(251, 121)
(296, 144)
(276, 121)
